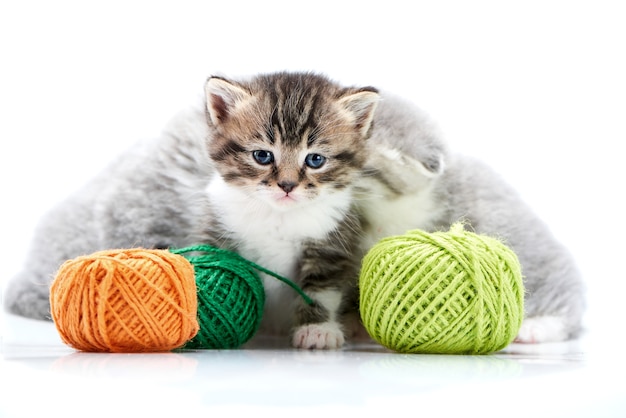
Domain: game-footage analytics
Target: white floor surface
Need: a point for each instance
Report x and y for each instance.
(41, 376)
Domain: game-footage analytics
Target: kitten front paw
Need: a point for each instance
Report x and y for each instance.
(541, 329)
(327, 335)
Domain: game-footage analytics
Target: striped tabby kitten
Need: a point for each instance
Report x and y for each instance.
(301, 176)
(289, 149)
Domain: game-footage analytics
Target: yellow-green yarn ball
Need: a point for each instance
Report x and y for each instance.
(453, 292)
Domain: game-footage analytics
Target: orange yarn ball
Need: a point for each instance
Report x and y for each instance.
(135, 300)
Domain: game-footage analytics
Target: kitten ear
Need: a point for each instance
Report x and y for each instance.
(361, 104)
(222, 97)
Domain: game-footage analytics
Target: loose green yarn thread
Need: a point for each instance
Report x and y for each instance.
(231, 296)
(453, 292)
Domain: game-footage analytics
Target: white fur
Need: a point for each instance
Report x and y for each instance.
(272, 236)
(275, 236)
(395, 216)
(329, 299)
(408, 165)
(390, 214)
(542, 329)
(327, 335)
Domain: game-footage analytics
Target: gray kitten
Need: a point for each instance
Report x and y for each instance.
(300, 175)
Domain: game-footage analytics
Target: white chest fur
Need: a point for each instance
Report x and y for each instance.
(273, 237)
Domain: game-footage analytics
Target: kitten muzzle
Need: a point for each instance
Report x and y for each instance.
(287, 186)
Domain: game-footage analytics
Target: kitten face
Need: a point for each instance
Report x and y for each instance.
(288, 139)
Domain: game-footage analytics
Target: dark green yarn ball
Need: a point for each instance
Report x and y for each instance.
(230, 298)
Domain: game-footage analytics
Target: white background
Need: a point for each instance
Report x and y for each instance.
(535, 88)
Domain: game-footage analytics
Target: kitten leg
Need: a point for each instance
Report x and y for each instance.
(542, 329)
(320, 328)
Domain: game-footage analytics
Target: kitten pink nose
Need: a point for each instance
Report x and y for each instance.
(287, 186)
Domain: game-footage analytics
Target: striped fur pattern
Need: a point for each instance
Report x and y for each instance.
(302, 176)
(289, 149)
(291, 116)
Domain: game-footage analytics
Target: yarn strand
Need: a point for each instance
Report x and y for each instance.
(205, 249)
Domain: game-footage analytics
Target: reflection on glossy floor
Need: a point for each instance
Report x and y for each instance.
(39, 375)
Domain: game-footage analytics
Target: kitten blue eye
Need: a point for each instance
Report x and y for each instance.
(263, 157)
(315, 160)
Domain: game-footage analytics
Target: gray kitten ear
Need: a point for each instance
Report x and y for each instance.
(360, 106)
(222, 97)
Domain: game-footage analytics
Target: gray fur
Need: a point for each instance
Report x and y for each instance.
(154, 196)
(454, 188)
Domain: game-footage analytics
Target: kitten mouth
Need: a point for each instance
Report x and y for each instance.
(286, 199)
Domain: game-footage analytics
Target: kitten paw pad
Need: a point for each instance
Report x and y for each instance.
(318, 336)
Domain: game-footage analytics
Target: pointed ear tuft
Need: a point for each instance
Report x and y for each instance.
(361, 104)
(222, 97)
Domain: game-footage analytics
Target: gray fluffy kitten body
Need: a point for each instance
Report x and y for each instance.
(307, 209)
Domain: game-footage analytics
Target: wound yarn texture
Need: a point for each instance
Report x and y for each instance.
(453, 292)
(231, 296)
(132, 300)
